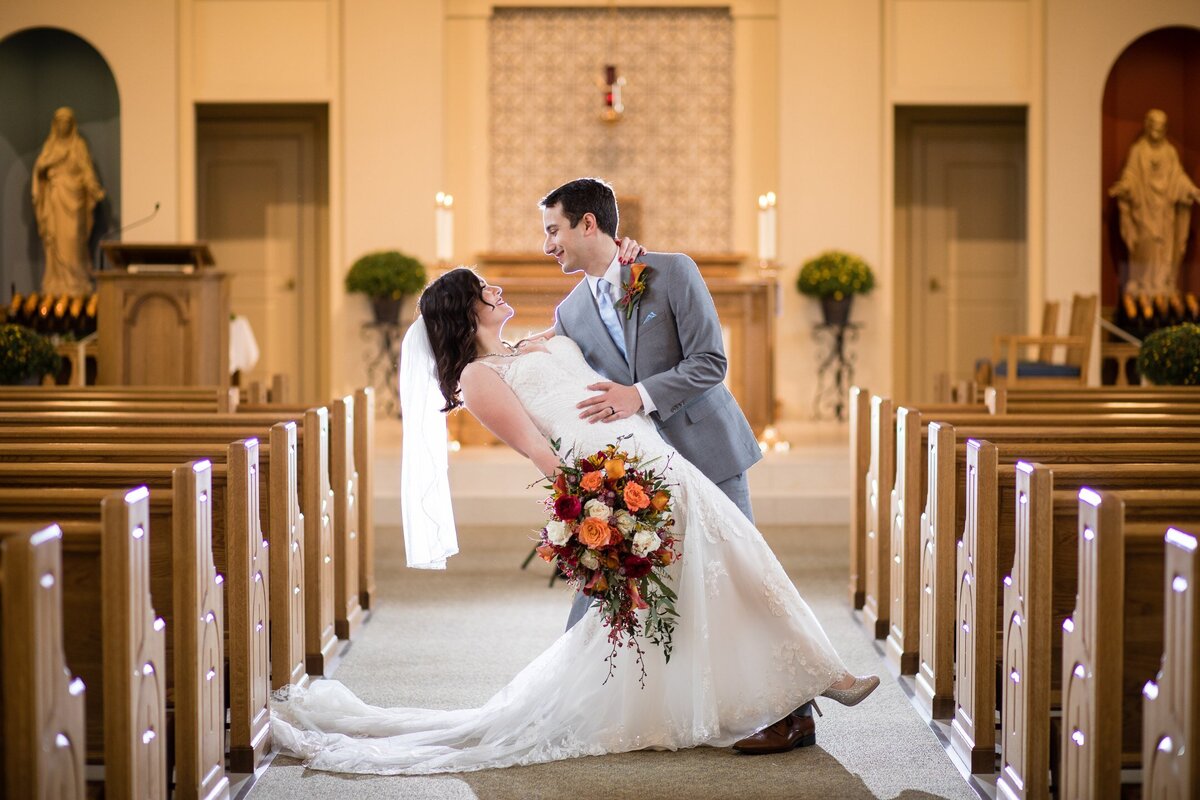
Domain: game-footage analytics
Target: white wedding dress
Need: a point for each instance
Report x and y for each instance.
(747, 648)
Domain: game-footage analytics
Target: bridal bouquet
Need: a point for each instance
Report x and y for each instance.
(610, 535)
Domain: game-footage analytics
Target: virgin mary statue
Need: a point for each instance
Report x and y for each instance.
(65, 194)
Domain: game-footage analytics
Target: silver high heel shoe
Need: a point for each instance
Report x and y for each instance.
(857, 692)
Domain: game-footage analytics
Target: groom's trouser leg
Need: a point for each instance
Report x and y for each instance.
(736, 489)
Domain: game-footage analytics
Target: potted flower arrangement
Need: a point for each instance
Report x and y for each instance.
(387, 277)
(835, 277)
(1171, 356)
(25, 356)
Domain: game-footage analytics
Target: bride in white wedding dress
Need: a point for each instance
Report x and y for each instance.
(747, 648)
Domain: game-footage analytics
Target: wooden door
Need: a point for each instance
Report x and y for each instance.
(963, 208)
(261, 206)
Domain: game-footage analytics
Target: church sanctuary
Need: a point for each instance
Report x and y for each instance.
(573, 399)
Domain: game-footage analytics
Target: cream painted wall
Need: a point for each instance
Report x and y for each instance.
(145, 68)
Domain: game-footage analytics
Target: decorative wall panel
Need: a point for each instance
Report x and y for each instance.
(670, 156)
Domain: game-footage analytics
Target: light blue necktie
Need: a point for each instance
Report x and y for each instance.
(609, 314)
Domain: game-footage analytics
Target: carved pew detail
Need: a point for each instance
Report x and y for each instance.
(1171, 725)
(249, 636)
(135, 671)
(43, 705)
(1024, 759)
(903, 640)
(348, 614)
(286, 563)
(973, 731)
(199, 663)
(935, 658)
(319, 635)
(364, 459)
(880, 478)
(860, 462)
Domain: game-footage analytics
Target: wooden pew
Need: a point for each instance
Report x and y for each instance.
(1001, 400)
(988, 543)
(316, 496)
(231, 491)
(1082, 603)
(931, 560)
(41, 703)
(20, 399)
(893, 459)
(1171, 710)
(115, 641)
(859, 405)
(283, 522)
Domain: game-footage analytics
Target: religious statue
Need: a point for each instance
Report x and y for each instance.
(65, 194)
(1154, 196)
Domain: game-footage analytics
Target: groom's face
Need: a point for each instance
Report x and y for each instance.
(568, 245)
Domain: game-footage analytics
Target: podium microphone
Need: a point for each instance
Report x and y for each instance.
(111, 234)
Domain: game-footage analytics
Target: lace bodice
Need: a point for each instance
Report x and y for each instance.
(551, 383)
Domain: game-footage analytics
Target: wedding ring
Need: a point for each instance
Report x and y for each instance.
(611, 411)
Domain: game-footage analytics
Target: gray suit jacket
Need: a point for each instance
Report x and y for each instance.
(676, 352)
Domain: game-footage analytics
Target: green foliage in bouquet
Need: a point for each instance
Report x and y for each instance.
(25, 354)
(835, 274)
(1171, 356)
(387, 273)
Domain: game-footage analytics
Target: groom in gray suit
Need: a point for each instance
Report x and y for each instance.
(662, 352)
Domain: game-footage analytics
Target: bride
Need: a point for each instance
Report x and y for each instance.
(747, 648)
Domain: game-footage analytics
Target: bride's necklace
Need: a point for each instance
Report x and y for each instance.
(513, 352)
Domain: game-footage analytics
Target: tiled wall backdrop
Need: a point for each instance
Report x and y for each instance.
(671, 152)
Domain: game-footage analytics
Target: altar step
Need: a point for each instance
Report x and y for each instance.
(805, 485)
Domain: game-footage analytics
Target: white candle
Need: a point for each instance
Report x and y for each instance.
(766, 227)
(444, 227)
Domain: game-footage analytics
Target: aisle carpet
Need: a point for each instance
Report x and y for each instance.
(450, 639)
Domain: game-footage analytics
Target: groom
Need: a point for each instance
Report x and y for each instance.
(660, 346)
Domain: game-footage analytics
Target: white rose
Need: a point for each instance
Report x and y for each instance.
(589, 560)
(597, 509)
(557, 533)
(626, 522)
(645, 542)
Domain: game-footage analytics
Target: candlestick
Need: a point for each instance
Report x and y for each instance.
(444, 226)
(766, 227)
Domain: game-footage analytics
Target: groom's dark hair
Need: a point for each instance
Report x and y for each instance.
(586, 195)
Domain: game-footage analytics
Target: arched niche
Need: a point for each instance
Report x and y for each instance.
(42, 69)
(1160, 69)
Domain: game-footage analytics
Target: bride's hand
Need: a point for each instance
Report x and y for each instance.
(628, 250)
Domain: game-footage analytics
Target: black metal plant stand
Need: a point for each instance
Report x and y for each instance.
(836, 370)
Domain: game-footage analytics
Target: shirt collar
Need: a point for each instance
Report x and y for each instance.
(612, 275)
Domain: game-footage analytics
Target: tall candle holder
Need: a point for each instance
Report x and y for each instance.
(768, 269)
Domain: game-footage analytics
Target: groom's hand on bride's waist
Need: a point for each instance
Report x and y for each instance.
(614, 401)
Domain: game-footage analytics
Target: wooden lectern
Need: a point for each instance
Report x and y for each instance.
(163, 317)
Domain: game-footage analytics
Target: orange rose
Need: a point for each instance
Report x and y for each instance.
(615, 467)
(593, 533)
(635, 497)
(592, 481)
(660, 501)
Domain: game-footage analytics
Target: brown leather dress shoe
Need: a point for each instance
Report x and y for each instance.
(789, 733)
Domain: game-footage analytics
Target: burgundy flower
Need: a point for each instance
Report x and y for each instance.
(635, 567)
(568, 507)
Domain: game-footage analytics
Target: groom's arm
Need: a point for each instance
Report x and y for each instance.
(703, 364)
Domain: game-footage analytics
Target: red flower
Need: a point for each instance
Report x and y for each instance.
(568, 507)
(635, 567)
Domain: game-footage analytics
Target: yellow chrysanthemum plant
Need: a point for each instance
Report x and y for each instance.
(834, 277)
(1171, 356)
(25, 355)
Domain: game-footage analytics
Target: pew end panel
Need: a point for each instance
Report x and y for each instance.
(880, 478)
(348, 613)
(1171, 716)
(43, 703)
(903, 637)
(364, 461)
(935, 664)
(860, 462)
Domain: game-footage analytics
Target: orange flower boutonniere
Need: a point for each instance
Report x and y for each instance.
(632, 291)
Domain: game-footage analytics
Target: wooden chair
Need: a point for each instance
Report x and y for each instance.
(1044, 371)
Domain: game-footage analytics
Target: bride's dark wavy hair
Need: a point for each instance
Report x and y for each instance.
(448, 306)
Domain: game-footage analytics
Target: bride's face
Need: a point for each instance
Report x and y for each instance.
(490, 310)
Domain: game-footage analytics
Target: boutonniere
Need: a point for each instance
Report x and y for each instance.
(632, 291)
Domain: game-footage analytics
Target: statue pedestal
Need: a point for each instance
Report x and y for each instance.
(163, 329)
